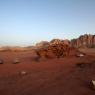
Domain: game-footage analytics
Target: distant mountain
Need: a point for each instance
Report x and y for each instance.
(84, 41)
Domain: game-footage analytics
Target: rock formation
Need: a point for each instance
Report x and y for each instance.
(84, 41)
(56, 48)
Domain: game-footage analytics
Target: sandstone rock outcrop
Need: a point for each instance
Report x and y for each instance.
(56, 48)
(84, 41)
(58, 41)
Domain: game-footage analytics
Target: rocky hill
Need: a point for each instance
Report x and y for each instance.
(84, 41)
(60, 48)
(55, 48)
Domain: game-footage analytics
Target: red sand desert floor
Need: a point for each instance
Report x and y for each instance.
(46, 77)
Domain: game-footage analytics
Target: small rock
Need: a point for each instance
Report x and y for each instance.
(23, 73)
(80, 55)
(93, 84)
(15, 61)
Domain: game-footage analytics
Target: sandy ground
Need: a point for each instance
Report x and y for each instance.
(48, 76)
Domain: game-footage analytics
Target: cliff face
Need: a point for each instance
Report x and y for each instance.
(84, 41)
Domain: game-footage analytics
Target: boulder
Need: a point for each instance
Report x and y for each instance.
(92, 84)
(16, 61)
(54, 50)
(80, 55)
(23, 73)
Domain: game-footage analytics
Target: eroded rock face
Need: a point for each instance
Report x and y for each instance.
(84, 41)
(54, 50)
(67, 42)
(55, 41)
(60, 48)
(58, 41)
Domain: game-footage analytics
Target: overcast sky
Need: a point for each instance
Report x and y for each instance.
(25, 22)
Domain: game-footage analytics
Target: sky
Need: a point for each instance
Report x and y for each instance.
(26, 22)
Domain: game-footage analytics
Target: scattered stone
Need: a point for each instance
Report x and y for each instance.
(23, 73)
(15, 61)
(80, 55)
(92, 83)
(1, 61)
